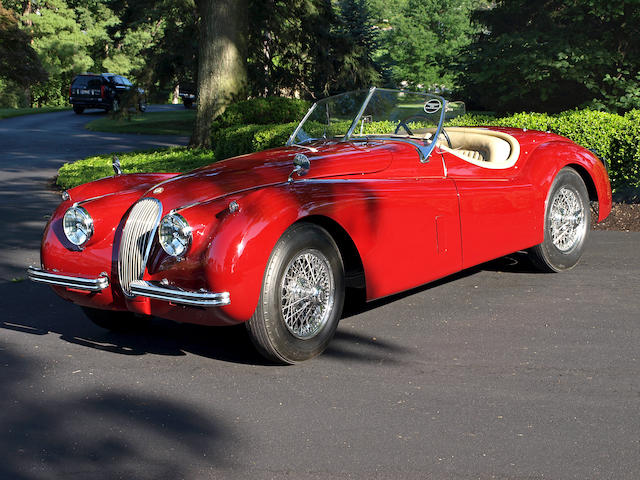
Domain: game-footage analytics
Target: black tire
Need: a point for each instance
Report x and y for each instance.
(188, 103)
(284, 285)
(142, 106)
(567, 222)
(116, 321)
(78, 109)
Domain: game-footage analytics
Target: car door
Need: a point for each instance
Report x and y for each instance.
(496, 214)
(414, 237)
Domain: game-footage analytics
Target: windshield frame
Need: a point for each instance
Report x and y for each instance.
(424, 150)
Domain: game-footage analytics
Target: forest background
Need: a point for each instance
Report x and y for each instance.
(498, 56)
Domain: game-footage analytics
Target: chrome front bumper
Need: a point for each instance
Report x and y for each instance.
(138, 288)
(182, 297)
(77, 283)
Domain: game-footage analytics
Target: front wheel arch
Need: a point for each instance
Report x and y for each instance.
(301, 297)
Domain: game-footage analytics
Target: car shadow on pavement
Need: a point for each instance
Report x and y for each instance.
(105, 433)
(35, 310)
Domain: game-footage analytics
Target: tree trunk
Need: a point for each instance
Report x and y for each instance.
(222, 71)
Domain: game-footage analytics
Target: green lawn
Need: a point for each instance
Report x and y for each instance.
(17, 112)
(158, 123)
(175, 159)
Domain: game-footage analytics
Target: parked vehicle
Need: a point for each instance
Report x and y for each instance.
(188, 94)
(102, 90)
(371, 192)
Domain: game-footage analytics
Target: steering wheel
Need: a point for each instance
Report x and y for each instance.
(446, 135)
(403, 125)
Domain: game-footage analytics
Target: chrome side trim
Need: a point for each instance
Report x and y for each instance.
(143, 288)
(79, 283)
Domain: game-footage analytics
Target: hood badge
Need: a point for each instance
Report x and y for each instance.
(301, 166)
(158, 190)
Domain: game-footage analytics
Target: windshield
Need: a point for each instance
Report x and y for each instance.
(378, 112)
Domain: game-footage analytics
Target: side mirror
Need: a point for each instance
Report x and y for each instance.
(301, 166)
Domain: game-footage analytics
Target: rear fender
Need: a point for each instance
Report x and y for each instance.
(549, 158)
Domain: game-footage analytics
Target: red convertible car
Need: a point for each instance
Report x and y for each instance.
(372, 191)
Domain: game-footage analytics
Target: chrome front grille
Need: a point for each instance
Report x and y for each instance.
(137, 237)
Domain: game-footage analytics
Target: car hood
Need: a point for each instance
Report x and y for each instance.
(270, 167)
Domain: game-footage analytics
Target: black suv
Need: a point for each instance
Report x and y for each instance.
(101, 90)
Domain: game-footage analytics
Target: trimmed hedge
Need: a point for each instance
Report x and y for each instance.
(262, 111)
(613, 137)
(263, 123)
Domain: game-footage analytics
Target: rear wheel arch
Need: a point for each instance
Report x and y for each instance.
(586, 178)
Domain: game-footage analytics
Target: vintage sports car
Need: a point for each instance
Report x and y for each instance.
(372, 194)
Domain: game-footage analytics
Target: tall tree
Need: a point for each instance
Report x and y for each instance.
(423, 39)
(19, 62)
(355, 47)
(62, 46)
(290, 47)
(552, 55)
(222, 72)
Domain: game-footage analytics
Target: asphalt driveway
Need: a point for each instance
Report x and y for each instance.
(495, 373)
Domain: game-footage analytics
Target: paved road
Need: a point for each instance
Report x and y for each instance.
(495, 373)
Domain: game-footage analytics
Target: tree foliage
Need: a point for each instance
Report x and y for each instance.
(555, 54)
(19, 62)
(421, 39)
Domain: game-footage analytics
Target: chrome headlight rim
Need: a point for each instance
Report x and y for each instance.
(77, 225)
(174, 235)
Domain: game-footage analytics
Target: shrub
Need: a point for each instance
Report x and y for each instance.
(242, 139)
(613, 137)
(262, 111)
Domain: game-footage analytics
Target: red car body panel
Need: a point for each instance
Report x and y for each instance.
(410, 222)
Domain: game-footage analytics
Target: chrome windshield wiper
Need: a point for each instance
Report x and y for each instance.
(311, 149)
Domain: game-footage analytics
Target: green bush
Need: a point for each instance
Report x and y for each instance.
(613, 137)
(262, 111)
(242, 139)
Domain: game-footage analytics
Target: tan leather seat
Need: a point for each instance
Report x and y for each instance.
(482, 147)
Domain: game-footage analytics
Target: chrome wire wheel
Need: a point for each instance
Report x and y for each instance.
(307, 294)
(567, 219)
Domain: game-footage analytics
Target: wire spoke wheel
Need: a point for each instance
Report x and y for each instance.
(567, 222)
(307, 293)
(302, 296)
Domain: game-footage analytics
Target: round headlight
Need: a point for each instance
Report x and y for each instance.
(77, 225)
(174, 235)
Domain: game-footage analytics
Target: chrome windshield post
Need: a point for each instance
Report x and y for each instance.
(357, 119)
(425, 151)
(292, 138)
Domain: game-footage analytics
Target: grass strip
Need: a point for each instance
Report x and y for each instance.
(178, 122)
(18, 112)
(174, 159)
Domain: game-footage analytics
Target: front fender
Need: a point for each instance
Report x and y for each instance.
(241, 245)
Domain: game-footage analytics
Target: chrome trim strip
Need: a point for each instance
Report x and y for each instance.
(79, 283)
(142, 288)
